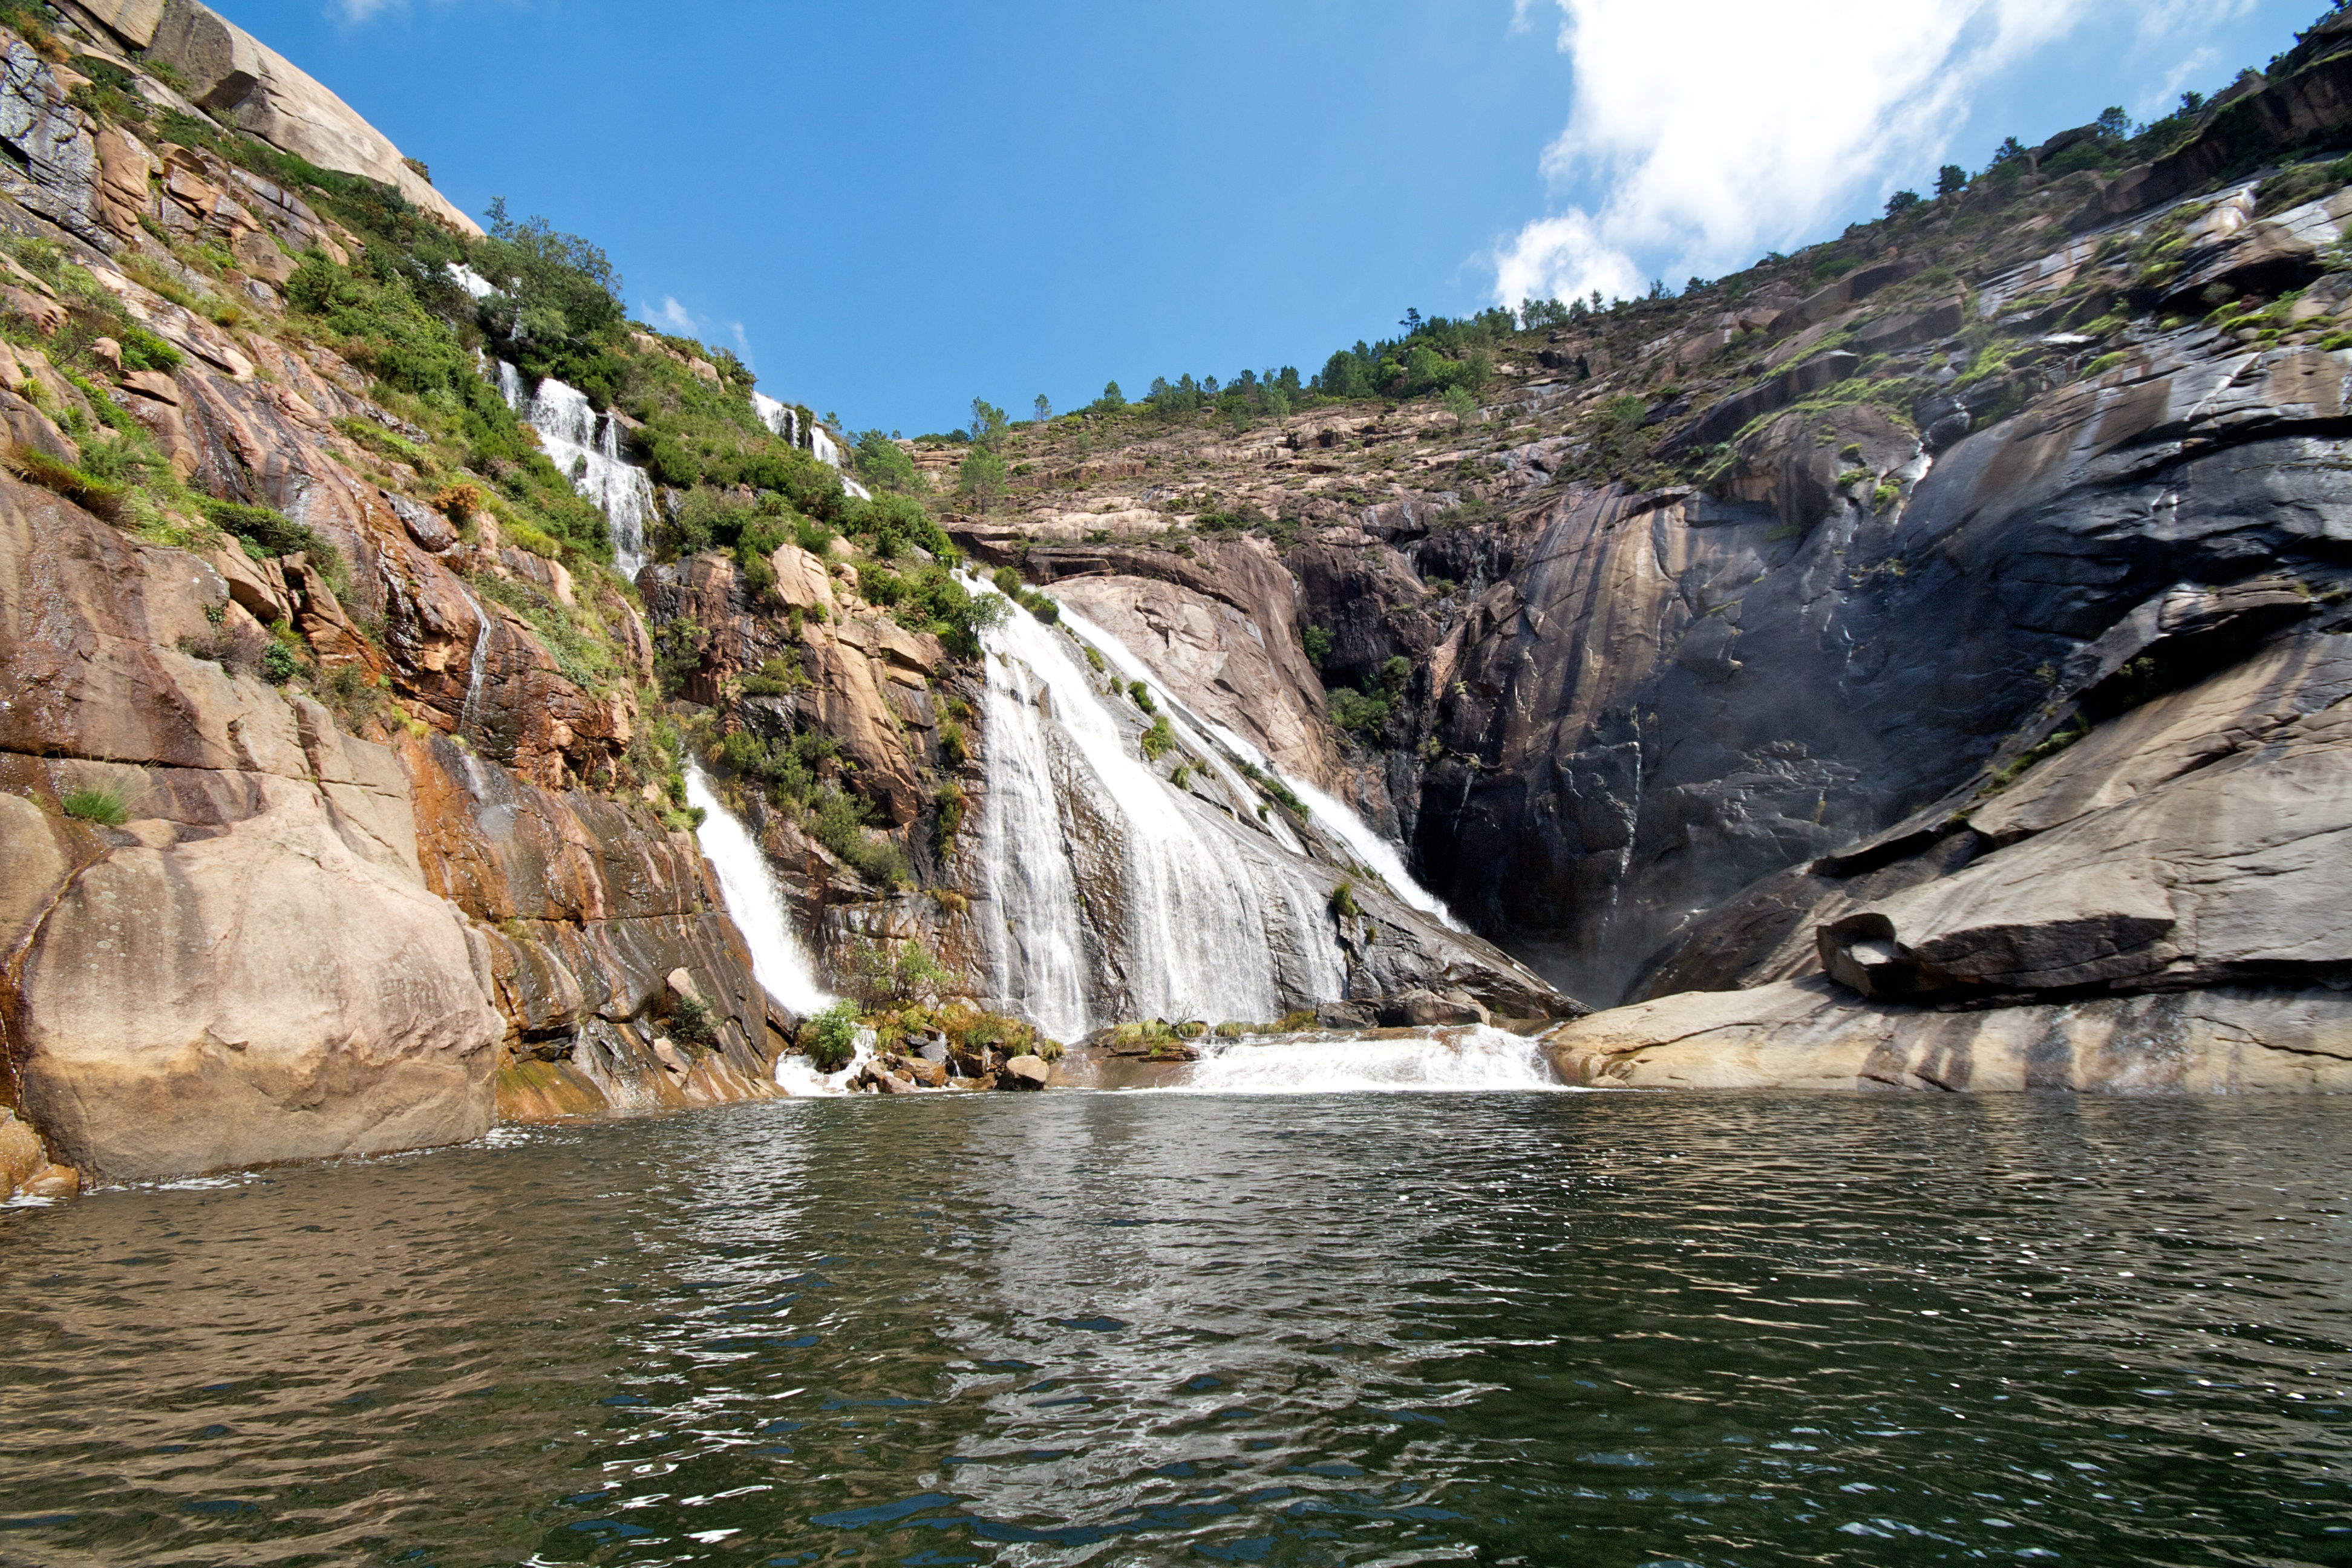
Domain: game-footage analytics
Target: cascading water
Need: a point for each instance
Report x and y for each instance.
(780, 419)
(786, 421)
(586, 450)
(1440, 1061)
(757, 910)
(1375, 853)
(476, 668)
(1193, 913)
(1450, 1059)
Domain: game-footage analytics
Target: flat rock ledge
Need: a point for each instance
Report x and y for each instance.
(1812, 1033)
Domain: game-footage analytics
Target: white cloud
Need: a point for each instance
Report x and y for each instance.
(675, 316)
(351, 12)
(1718, 129)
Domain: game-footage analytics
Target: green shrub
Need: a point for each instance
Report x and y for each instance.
(1357, 710)
(1143, 696)
(830, 1039)
(107, 807)
(838, 822)
(689, 1021)
(1159, 739)
(776, 678)
(95, 495)
(1343, 900)
(953, 746)
(950, 800)
(881, 976)
(279, 664)
(1316, 640)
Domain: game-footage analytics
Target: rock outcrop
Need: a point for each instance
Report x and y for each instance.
(229, 71)
(249, 967)
(1812, 1034)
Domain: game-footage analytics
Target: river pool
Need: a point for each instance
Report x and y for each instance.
(1361, 1329)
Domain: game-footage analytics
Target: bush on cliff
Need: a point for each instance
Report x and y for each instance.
(830, 1039)
(557, 309)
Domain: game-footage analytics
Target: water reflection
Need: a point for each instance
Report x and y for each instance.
(1143, 1329)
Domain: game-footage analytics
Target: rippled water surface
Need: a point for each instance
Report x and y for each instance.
(1538, 1329)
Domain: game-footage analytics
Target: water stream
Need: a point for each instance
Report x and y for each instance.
(1440, 1061)
(586, 449)
(1116, 893)
(753, 903)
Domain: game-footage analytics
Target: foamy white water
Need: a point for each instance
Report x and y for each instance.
(1212, 921)
(1454, 1061)
(798, 1077)
(748, 888)
(1372, 851)
(586, 449)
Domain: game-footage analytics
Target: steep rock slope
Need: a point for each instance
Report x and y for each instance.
(1741, 629)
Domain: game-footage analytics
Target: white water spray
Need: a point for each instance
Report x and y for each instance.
(1447, 1060)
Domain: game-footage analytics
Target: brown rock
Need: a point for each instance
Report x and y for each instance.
(21, 1154)
(123, 165)
(26, 429)
(52, 1182)
(1024, 1072)
(43, 315)
(153, 384)
(260, 257)
(1808, 1034)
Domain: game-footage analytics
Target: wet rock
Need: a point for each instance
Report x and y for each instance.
(52, 1182)
(1429, 1009)
(21, 1153)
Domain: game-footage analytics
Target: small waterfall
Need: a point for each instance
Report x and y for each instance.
(466, 714)
(785, 422)
(779, 419)
(748, 888)
(1195, 914)
(587, 450)
(1454, 1060)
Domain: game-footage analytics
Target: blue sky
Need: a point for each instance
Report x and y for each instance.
(895, 207)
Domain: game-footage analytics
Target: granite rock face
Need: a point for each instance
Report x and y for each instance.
(235, 74)
(1812, 1034)
(250, 967)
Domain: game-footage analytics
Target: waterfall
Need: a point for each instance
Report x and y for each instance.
(1374, 852)
(779, 419)
(785, 422)
(1195, 912)
(474, 670)
(749, 890)
(586, 450)
(1448, 1059)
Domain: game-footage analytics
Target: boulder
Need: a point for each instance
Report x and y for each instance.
(21, 1153)
(52, 1182)
(1024, 1072)
(1428, 1009)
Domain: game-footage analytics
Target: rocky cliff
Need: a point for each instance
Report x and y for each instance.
(1930, 638)
(322, 830)
(344, 751)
